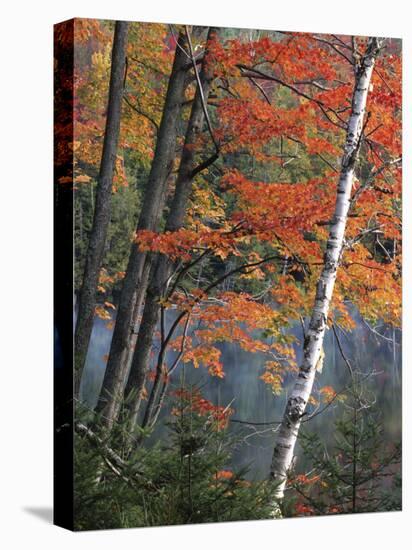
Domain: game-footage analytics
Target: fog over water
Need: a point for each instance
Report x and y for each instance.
(253, 400)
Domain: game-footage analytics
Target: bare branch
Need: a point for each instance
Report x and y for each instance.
(328, 163)
(141, 113)
(347, 362)
(334, 48)
(200, 88)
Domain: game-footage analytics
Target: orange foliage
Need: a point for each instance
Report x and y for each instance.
(291, 88)
(193, 402)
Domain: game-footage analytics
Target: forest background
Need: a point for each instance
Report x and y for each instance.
(235, 244)
(306, 18)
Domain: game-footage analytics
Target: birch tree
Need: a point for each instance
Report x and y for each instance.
(298, 399)
(101, 220)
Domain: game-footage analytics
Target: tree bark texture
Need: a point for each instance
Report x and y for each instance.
(151, 211)
(128, 352)
(296, 404)
(163, 265)
(102, 211)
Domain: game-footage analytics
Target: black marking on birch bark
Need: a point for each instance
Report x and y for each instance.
(295, 408)
(321, 290)
(329, 263)
(317, 323)
(305, 368)
(327, 257)
(306, 357)
(280, 447)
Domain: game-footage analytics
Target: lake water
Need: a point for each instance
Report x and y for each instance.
(253, 400)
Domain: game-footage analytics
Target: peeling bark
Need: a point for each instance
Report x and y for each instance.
(296, 404)
(101, 219)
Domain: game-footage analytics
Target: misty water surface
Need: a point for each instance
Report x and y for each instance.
(253, 400)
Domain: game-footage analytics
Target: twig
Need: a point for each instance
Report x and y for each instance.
(327, 162)
(141, 113)
(200, 88)
(347, 362)
(116, 464)
(252, 423)
(334, 47)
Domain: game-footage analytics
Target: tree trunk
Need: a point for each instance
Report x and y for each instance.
(101, 219)
(151, 211)
(163, 265)
(296, 404)
(128, 352)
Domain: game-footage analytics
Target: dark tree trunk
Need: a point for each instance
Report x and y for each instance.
(152, 209)
(162, 266)
(101, 219)
(128, 352)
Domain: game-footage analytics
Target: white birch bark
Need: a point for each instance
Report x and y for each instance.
(296, 404)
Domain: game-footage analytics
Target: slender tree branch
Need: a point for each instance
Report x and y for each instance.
(373, 175)
(200, 88)
(205, 164)
(141, 113)
(252, 423)
(250, 72)
(260, 88)
(334, 47)
(116, 464)
(346, 360)
(328, 163)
